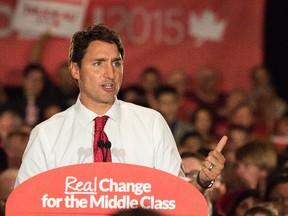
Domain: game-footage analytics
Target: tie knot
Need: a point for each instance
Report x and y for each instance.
(100, 122)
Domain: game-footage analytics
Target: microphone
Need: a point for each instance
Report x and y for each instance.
(107, 146)
(101, 145)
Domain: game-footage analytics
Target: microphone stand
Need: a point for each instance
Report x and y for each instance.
(106, 145)
(101, 145)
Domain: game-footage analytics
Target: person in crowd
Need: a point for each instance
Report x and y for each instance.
(255, 162)
(9, 120)
(244, 115)
(233, 98)
(190, 142)
(150, 80)
(262, 209)
(7, 181)
(96, 62)
(192, 162)
(202, 121)
(279, 134)
(238, 136)
(277, 191)
(206, 91)
(240, 202)
(167, 104)
(179, 79)
(37, 92)
(14, 147)
(65, 85)
(133, 94)
(136, 212)
(265, 98)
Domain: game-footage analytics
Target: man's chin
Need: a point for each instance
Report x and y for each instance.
(109, 100)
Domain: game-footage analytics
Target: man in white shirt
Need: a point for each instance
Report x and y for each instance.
(138, 135)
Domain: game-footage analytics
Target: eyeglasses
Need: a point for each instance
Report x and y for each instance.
(192, 174)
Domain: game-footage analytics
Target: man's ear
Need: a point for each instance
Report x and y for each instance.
(74, 70)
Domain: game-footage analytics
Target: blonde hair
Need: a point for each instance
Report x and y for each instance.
(260, 152)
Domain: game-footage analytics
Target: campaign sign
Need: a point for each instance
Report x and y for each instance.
(103, 189)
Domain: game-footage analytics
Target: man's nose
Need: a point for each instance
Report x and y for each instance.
(109, 71)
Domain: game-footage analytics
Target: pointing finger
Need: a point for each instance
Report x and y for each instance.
(221, 143)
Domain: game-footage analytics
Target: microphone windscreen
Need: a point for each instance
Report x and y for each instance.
(108, 144)
(101, 144)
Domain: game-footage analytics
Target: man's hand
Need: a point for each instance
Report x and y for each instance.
(213, 164)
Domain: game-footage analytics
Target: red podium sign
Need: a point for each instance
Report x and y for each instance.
(102, 189)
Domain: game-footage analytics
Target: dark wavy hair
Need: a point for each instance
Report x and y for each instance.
(241, 197)
(81, 40)
(280, 177)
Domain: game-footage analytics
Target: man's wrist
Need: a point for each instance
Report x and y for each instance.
(205, 185)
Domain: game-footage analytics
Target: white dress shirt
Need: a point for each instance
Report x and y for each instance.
(138, 135)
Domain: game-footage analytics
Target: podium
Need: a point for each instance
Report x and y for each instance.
(103, 189)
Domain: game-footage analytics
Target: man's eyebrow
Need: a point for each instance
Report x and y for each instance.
(100, 59)
(117, 59)
(105, 59)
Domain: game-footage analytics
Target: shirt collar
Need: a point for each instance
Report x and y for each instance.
(86, 116)
(114, 112)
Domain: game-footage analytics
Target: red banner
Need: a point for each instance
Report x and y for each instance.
(165, 34)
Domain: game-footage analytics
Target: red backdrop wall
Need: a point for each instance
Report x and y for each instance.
(167, 34)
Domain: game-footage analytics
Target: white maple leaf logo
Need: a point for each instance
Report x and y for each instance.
(206, 26)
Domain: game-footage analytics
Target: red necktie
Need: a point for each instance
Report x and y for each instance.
(101, 147)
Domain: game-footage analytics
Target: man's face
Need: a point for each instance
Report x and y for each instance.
(150, 81)
(238, 138)
(34, 83)
(100, 76)
(167, 106)
(203, 121)
(248, 173)
(191, 165)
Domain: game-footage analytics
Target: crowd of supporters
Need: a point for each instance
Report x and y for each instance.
(198, 114)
